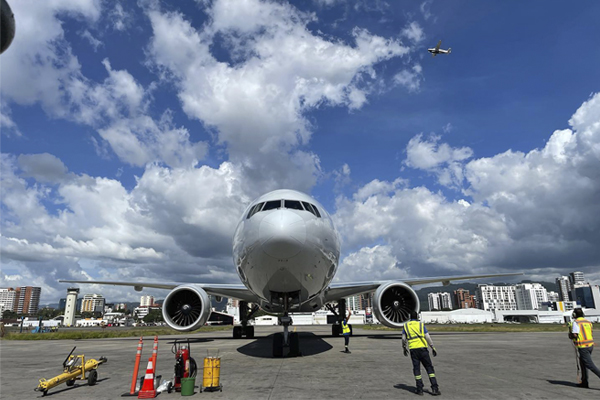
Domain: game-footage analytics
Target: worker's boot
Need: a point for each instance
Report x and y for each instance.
(419, 391)
(347, 351)
(435, 391)
(583, 385)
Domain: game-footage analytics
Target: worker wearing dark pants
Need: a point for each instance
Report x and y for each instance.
(581, 334)
(346, 332)
(416, 339)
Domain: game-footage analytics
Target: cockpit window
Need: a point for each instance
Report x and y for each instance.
(272, 205)
(254, 210)
(289, 204)
(312, 209)
(293, 204)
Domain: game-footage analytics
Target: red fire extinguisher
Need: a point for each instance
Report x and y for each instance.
(185, 365)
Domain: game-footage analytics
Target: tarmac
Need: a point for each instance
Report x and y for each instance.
(468, 365)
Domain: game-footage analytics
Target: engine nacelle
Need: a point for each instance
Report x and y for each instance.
(187, 307)
(394, 302)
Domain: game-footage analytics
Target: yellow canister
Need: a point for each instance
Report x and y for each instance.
(212, 372)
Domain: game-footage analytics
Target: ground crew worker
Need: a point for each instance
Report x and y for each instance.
(416, 339)
(581, 334)
(346, 332)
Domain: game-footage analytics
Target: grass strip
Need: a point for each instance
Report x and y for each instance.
(107, 333)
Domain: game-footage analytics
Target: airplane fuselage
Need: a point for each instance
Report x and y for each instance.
(286, 251)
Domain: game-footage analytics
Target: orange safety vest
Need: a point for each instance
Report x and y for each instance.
(584, 338)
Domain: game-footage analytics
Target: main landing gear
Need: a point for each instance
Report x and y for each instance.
(245, 314)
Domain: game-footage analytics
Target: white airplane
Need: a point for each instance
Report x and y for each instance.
(436, 50)
(286, 252)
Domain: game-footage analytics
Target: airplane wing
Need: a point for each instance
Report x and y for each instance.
(438, 45)
(337, 291)
(235, 291)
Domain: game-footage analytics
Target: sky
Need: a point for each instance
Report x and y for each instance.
(134, 134)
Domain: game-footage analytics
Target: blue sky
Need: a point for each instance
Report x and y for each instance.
(134, 134)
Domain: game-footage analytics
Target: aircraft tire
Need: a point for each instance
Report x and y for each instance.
(237, 332)
(250, 332)
(278, 345)
(335, 330)
(294, 344)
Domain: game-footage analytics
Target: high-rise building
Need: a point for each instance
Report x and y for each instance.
(439, 301)
(490, 297)
(71, 306)
(8, 299)
(564, 287)
(463, 299)
(576, 278)
(586, 296)
(62, 303)
(146, 301)
(93, 303)
(353, 302)
(359, 302)
(530, 296)
(29, 300)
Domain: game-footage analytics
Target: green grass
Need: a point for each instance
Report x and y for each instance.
(484, 328)
(67, 334)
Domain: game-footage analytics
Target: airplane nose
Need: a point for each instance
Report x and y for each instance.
(282, 234)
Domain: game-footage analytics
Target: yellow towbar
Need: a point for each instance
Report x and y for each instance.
(74, 368)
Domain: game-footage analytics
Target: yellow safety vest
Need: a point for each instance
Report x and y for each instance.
(415, 333)
(345, 328)
(584, 338)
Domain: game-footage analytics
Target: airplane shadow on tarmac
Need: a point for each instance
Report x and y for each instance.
(310, 345)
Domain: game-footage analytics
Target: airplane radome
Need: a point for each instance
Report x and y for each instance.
(286, 252)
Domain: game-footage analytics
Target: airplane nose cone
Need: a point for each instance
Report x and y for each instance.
(282, 234)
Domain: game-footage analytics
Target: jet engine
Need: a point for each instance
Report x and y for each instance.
(187, 307)
(394, 302)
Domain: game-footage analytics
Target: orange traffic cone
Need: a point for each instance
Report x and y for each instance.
(147, 391)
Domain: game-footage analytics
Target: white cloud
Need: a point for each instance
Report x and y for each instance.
(92, 40)
(414, 32)
(411, 79)
(42, 167)
(279, 70)
(41, 37)
(7, 125)
(376, 263)
(426, 10)
(120, 18)
(529, 211)
(175, 224)
(441, 159)
(142, 140)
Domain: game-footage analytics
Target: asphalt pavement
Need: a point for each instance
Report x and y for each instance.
(469, 365)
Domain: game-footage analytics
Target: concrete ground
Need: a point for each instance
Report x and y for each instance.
(469, 365)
